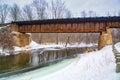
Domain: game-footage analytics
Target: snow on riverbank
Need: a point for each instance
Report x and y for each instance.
(34, 45)
(117, 46)
(99, 65)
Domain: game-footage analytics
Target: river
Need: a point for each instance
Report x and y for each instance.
(30, 60)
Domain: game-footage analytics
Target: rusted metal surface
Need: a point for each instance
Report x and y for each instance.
(69, 25)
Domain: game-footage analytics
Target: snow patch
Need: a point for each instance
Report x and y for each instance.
(117, 46)
(98, 65)
(4, 52)
(34, 45)
(4, 26)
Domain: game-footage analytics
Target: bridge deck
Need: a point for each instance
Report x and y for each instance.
(70, 25)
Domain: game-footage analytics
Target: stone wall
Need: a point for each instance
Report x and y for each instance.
(117, 57)
(105, 38)
(20, 39)
(13, 27)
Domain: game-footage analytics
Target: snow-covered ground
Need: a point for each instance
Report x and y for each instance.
(34, 45)
(4, 26)
(99, 65)
(117, 46)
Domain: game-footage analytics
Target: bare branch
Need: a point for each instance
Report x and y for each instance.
(40, 6)
(92, 13)
(4, 9)
(83, 14)
(15, 12)
(119, 13)
(27, 12)
(6, 40)
(57, 9)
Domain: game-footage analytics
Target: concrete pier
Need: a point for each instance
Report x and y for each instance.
(105, 38)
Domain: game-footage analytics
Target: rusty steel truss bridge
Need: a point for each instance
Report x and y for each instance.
(68, 25)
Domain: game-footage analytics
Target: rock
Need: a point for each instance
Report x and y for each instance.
(105, 39)
(118, 67)
(21, 39)
(89, 50)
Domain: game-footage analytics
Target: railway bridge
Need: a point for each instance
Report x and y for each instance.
(100, 25)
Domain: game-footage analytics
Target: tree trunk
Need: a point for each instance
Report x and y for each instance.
(57, 38)
(40, 38)
(68, 39)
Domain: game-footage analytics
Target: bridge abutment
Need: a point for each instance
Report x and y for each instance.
(21, 39)
(105, 38)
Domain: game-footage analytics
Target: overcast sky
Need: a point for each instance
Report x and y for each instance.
(101, 7)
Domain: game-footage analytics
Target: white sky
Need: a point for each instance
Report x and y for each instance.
(101, 7)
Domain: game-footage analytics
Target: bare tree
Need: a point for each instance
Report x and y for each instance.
(6, 41)
(119, 13)
(68, 38)
(83, 14)
(108, 14)
(57, 9)
(116, 33)
(4, 10)
(40, 6)
(114, 13)
(67, 14)
(15, 12)
(92, 13)
(27, 12)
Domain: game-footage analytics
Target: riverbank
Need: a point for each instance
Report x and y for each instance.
(33, 45)
(97, 65)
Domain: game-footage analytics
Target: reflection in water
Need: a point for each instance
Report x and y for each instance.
(36, 58)
(13, 62)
